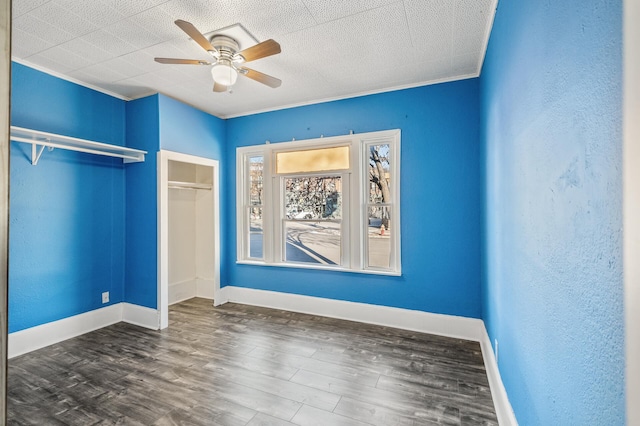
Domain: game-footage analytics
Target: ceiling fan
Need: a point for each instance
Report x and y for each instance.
(227, 60)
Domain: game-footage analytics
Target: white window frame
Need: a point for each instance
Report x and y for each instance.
(394, 206)
(355, 187)
(279, 235)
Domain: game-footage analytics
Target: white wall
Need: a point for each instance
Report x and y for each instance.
(191, 234)
(204, 247)
(182, 235)
(5, 87)
(631, 198)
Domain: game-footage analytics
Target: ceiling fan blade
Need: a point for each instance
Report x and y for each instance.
(260, 50)
(219, 87)
(182, 61)
(196, 35)
(261, 77)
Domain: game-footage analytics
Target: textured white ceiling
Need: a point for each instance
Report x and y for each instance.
(330, 48)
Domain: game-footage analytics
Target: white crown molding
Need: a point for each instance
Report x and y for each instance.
(354, 95)
(69, 79)
(324, 100)
(487, 32)
(253, 112)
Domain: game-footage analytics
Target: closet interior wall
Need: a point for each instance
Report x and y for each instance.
(191, 239)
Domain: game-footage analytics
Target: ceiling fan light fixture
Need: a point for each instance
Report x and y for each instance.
(228, 58)
(223, 73)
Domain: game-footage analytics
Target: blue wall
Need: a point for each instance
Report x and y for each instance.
(440, 210)
(66, 213)
(441, 206)
(153, 123)
(553, 297)
(188, 130)
(142, 204)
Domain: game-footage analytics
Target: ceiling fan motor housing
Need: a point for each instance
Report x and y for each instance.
(226, 46)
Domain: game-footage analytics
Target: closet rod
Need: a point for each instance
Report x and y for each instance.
(41, 139)
(189, 185)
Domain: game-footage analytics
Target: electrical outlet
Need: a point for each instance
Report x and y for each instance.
(496, 345)
(105, 297)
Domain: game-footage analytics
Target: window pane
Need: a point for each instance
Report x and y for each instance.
(313, 160)
(312, 228)
(379, 174)
(379, 237)
(255, 233)
(256, 168)
(313, 242)
(313, 198)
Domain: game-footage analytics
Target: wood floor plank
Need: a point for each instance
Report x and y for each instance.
(427, 384)
(311, 416)
(424, 406)
(271, 341)
(283, 388)
(243, 365)
(262, 419)
(214, 389)
(374, 414)
(199, 415)
(355, 375)
(263, 366)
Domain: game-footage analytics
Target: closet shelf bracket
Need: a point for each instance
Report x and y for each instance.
(36, 153)
(39, 140)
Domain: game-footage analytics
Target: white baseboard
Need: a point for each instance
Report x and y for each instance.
(31, 339)
(425, 322)
(183, 290)
(141, 316)
(205, 288)
(504, 411)
(43, 335)
(222, 296)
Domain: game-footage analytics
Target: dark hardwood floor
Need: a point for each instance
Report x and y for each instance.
(243, 365)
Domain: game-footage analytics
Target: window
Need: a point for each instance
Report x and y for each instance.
(331, 203)
(312, 226)
(254, 207)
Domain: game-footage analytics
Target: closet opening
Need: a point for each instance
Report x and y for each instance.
(189, 243)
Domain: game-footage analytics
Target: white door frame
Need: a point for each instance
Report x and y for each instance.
(631, 201)
(5, 98)
(163, 225)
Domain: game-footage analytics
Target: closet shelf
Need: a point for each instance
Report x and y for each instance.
(39, 140)
(189, 185)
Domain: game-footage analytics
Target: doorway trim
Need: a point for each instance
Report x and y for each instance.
(631, 205)
(5, 101)
(164, 157)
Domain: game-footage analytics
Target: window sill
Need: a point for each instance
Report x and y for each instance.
(319, 267)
